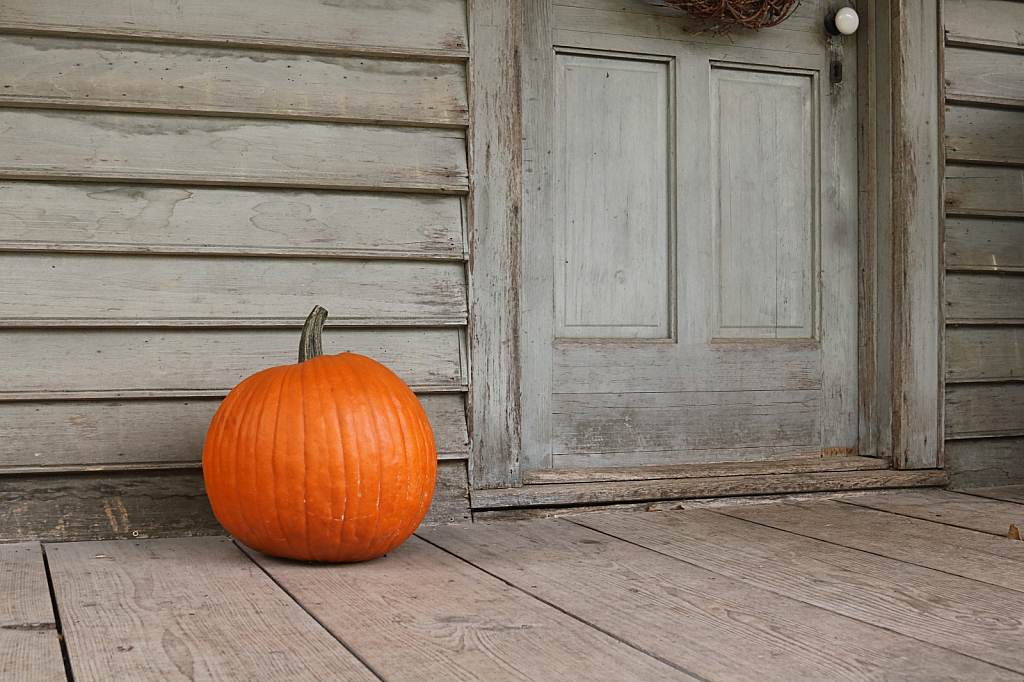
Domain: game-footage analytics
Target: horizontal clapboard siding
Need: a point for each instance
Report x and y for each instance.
(195, 362)
(91, 217)
(71, 73)
(103, 146)
(424, 28)
(91, 289)
(75, 435)
(976, 353)
(984, 249)
(180, 182)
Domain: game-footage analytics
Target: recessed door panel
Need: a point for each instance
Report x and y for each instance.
(765, 142)
(613, 241)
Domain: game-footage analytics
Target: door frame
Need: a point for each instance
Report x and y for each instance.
(900, 236)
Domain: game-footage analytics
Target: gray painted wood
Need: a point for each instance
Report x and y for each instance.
(933, 607)
(614, 271)
(984, 244)
(916, 224)
(619, 37)
(734, 366)
(196, 609)
(400, 614)
(611, 492)
(421, 27)
(451, 494)
(979, 298)
(942, 506)
(29, 644)
(79, 435)
(715, 626)
(983, 76)
(984, 23)
(764, 151)
(649, 473)
(985, 462)
(70, 73)
(985, 190)
(984, 354)
(956, 551)
(153, 219)
(985, 135)
(103, 505)
(52, 288)
(36, 144)
(496, 205)
(586, 424)
(981, 410)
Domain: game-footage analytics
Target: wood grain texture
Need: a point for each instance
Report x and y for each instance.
(420, 27)
(984, 23)
(401, 615)
(38, 144)
(984, 354)
(653, 422)
(728, 366)
(153, 219)
(981, 298)
(196, 609)
(716, 627)
(983, 76)
(29, 644)
(955, 551)
(943, 610)
(496, 203)
(58, 289)
(917, 248)
(985, 462)
(68, 73)
(984, 244)
(1008, 493)
(950, 508)
(982, 410)
(199, 361)
(102, 506)
(451, 494)
(650, 473)
(576, 494)
(985, 190)
(77, 435)
(985, 135)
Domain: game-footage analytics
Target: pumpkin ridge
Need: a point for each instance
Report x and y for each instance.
(300, 373)
(252, 392)
(272, 488)
(376, 386)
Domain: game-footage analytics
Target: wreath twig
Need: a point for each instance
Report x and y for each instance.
(724, 14)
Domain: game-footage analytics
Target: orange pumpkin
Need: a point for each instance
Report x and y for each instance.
(331, 459)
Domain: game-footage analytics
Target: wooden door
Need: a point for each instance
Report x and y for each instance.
(690, 290)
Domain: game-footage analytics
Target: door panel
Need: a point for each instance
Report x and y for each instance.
(691, 240)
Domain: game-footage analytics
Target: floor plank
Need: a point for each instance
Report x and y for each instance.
(967, 553)
(1007, 493)
(714, 626)
(948, 611)
(194, 608)
(950, 508)
(29, 647)
(420, 613)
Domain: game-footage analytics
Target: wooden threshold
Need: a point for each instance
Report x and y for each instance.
(706, 480)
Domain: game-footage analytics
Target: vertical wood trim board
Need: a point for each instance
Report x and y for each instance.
(916, 250)
(496, 162)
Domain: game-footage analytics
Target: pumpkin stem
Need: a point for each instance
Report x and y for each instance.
(311, 343)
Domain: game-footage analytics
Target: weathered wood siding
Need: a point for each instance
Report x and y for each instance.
(179, 184)
(984, 245)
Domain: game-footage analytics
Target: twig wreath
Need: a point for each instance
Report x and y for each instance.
(724, 14)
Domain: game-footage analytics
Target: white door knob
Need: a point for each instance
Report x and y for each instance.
(843, 22)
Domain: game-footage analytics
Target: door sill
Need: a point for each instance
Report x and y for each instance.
(591, 487)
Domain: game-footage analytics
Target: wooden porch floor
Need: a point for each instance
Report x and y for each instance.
(916, 585)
